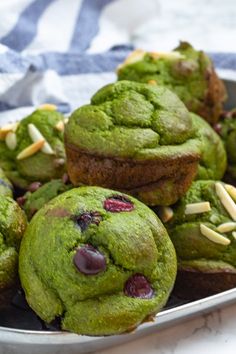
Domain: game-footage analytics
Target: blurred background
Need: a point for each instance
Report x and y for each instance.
(62, 51)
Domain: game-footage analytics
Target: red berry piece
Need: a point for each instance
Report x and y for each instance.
(118, 203)
(87, 218)
(217, 128)
(21, 200)
(34, 186)
(138, 286)
(89, 261)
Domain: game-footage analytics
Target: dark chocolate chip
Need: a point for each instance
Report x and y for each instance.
(138, 286)
(87, 218)
(88, 260)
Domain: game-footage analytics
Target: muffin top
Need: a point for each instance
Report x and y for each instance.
(99, 259)
(132, 120)
(38, 195)
(12, 227)
(33, 148)
(227, 130)
(203, 226)
(186, 71)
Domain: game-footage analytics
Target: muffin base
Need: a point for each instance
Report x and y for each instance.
(156, 182)
(193, 285)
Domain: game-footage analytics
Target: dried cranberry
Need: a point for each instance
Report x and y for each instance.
(87, 218)
(89, 261)
(118, 203)
(21, 200)
(138, 286)
(65, 178)
(217, 128)
(34, 186)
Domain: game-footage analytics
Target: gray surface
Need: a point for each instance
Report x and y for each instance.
(31, 342)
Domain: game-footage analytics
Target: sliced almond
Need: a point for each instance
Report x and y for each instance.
(152, 82)
(48, 107)
(30, 150)
(213, 235)
(60, 126)
(166, 213)
(226, 200)
(231, 190)
(35, 135)
(234, 234)
(6, 129)
(197, 208)
(133, 57)
(11, 140)
(167, 55)
(227, 227)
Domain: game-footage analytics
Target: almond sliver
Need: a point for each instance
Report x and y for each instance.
(226, 200)
(197, 208)
(35, 136)
(48, 107)
(227, 227)
(135, 56)
(6, 129)
(166, 213)
(11, 140)
(30, 150)
(60, 126)
(167, 55)
(234, 234)
(213, 235)
(231, 190)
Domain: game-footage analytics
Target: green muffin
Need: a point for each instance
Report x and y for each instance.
(227, 130)
(37, 197)
(204, 236)
(98, 259)
(213, 162)
(136, 138)
(12, 227)
(186, 71)
(33, 150)
(6, 187)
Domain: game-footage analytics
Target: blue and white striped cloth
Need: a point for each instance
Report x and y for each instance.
(62, 51)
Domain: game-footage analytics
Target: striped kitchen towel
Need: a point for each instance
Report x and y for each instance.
(62, 51)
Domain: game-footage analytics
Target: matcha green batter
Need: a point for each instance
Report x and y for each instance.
(12, 227)
(6, 187)
(98, 259)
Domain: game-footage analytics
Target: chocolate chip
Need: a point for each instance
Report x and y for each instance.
(138, 286)
(87, 218)
(89, 261)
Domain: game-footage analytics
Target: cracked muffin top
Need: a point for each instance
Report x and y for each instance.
(99, 260)
(186, 71)
(12, 227)
(132, 120)
(33, 149)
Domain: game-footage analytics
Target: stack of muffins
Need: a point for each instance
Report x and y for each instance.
(116, 191)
